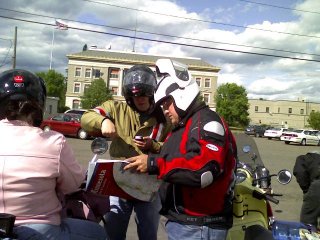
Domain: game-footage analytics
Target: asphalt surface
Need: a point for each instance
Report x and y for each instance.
(274, 154)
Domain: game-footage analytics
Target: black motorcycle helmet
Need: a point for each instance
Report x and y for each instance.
(18, 84)
(21, 85)
(139, 80)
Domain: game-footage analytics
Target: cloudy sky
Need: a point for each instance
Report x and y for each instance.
(270, 47)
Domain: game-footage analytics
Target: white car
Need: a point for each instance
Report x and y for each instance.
(301, 136)
(274, 133)
(76, 111)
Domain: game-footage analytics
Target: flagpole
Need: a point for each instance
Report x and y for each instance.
(52, 43)
(135, 34)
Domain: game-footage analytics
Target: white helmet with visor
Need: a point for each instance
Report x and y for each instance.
(174, 79)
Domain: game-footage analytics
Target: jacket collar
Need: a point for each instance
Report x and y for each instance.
(14, 122)
(194, 107)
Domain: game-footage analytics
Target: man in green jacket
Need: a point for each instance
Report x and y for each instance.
(135, 127)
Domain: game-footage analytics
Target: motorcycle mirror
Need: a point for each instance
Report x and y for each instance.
(99, 145)
(246, 149)
(284, 176)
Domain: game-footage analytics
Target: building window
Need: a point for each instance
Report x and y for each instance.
(75, 104)
(114, 90)
(301, 111)
(96, 73)
(206, 98)
(114, 73)
(207, 83)
(77, 72)
(256, 108)
(76, 88)
(50, 109)
(87, 73)
(85, 87)
(198, 80)
(278, 110)
(267, 109)
(290, 110)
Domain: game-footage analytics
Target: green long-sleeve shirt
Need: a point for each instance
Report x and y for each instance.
(128, 123)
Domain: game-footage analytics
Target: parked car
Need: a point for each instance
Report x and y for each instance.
(76, 111)
(302, 137)
(255, 130)
(274, 133)
(65, 123)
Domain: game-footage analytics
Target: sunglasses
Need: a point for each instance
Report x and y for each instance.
(166, 103)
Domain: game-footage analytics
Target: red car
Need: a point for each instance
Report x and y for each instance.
(65, 123)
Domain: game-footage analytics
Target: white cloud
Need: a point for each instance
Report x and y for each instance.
(265, 76)
(229, 78)
(267, 85)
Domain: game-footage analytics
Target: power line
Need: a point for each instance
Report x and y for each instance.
(167, 42)
(275, 6)
(6, 56)
(165, 35)
(201, 20)
(6, 39)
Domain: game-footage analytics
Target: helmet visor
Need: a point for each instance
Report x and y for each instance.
(181, 71)
(139, 77)
(168, 67)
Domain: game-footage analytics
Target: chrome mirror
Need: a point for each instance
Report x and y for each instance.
(99, 146)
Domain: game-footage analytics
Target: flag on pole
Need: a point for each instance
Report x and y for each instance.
(61, 26)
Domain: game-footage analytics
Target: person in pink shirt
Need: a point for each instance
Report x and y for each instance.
(36, 166)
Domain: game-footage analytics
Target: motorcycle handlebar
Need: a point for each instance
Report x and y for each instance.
(271, 199)
(267, 197)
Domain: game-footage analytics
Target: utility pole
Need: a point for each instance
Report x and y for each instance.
(14, 58)
(51, 53)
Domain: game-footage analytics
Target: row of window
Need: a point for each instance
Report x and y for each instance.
(114, 74)
(256, 109)
(114, 90)
(207, 82)
(88, 72)
(77, 88)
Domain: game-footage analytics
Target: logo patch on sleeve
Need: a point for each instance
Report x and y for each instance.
(212, 147)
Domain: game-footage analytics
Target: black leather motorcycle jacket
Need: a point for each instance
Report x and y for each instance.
(307, 169)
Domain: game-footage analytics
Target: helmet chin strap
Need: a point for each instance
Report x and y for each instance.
(130, 102)
(180, 112)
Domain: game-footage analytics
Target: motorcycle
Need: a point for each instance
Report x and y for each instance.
(253, 195)
(6, 225)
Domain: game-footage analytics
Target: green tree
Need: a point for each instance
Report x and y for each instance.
(232, 104)
(96, 94)
(56, 86)
(314, 120)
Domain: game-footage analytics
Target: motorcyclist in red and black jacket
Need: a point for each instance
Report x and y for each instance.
(196, 162)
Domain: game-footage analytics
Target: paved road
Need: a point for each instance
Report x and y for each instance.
(275, 155)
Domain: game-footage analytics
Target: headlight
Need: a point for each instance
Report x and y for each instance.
(240, 176)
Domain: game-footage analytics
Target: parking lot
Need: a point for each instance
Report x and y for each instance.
(275, 154)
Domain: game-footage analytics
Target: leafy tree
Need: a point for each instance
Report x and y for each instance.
(56, 86)
(85, 47)
(314, 120)
(96, 94)
(232, 104)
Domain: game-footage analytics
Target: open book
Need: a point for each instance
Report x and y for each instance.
(107, 177)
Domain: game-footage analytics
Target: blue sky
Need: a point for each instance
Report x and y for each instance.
(266, 27)
(241, 12)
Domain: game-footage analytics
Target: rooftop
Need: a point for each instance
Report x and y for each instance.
(139, 58)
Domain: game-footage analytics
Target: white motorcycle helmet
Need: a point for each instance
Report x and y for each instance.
(174, 79)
